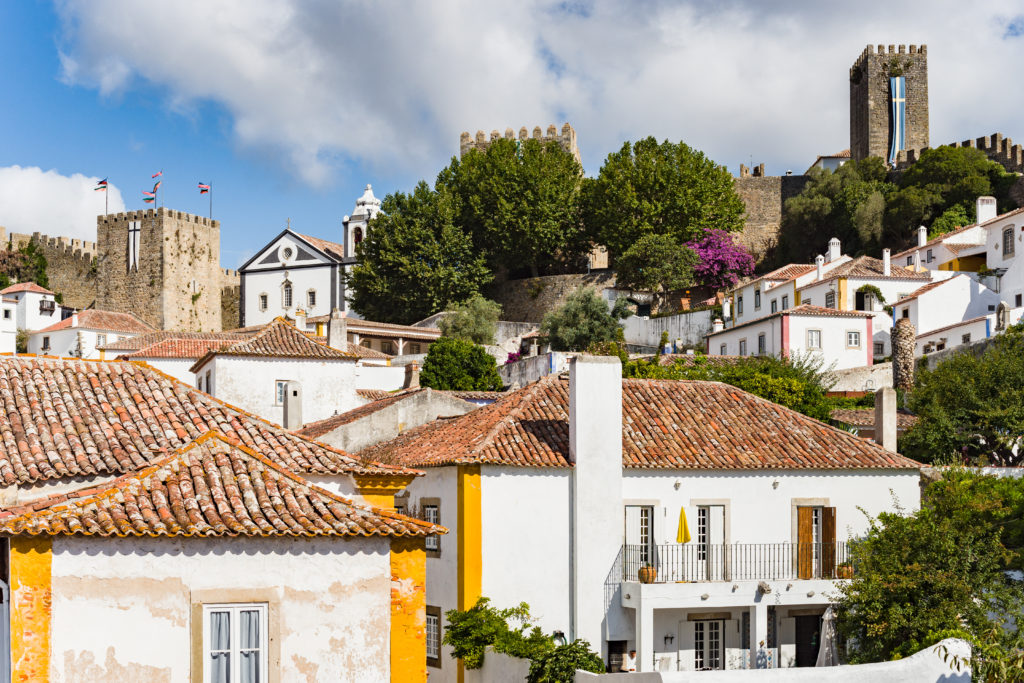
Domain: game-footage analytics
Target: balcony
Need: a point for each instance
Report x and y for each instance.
(696, 562)
(47, 306)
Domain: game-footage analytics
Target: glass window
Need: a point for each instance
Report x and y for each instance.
(879, 348)
(433, 636)
(762, 344)
(387, 347)
(1017, 301)
(965, 339)
(814, 339)
(910, 260)
(785, 302)
(7, 314)
(930, 257)
(46, 343)
(432, 514)
(1007, 242)
(286, 295)
(739, 305)
(414, 348)
(263, 302)
(311, 298)
(721, 350)
(830, 299)
(279, 386)
(209, 384)
(757, 299)
(235, 643)
(853, 340)
(743, 347)
(101, 339)
(775, 305)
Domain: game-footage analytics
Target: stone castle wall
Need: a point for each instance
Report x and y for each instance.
(230, 300)
(567, 139)
(870, 98)
(529, 299)
(764, 198)
(69, 264)
(997, 147)
(178, 283)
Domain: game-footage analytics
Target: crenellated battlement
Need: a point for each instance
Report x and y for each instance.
(153, 213)
(884, 50)
(996, 147)
(566, 138)
(755, 172)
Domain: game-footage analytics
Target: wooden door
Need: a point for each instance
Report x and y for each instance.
(828, 543)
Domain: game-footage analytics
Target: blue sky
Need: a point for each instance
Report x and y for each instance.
(289, 107)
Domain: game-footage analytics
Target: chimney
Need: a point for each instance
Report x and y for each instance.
(986, 209)
(819, 261)
(834, 250)
(300, 320)
(292, 405)
(885, 418)
(922, 236)
(717, 325)
(886, 262)
(337, 331)
(412, 376)
(595, 449)
(74, 320)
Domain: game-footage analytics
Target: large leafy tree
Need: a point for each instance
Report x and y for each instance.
(459, 365)
(938, 572)
(657, 264)
(415, 261)
(475, 320)
(583, 320)
(520, 202)
(659, 188)
(970, 408)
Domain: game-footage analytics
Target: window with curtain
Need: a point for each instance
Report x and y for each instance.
(235, 643)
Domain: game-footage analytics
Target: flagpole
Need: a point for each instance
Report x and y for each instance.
(106, 200)
(211, 201)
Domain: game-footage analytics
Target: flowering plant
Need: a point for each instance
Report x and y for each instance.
(721, 261)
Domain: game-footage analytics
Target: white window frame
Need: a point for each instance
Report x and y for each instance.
(1008, 246)
(101, 339)
(7, 314)
(810, 343)
(234, 609)
(830, 295)
(432, 514)
(757, 299)
(743, 347)
(433, 636)
(287, 295)
(280, 386)
(849, 335)
(311, 299)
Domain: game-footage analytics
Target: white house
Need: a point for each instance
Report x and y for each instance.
(1004, 243)
(830, 162)
(36, 306)
(297, 272)
(281, 375)
(950, 312)
(173, 353)
(81, 335)
(960, 250)
(841, 338)
(569, 495)
(8, 324)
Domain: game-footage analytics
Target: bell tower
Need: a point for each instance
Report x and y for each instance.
(357, 225)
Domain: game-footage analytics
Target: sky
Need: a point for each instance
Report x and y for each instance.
(290, 107)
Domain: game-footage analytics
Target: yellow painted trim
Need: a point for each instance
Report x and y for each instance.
(843, 296)
(470, 535)
(379, 490)
(31, 603)
(408, 610)
(796, 295)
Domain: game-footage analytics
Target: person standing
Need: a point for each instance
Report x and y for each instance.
(629, 662)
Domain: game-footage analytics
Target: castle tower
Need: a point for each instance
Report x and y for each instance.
(888, 101)
(162, 266)
(566, 138)
(357, 225)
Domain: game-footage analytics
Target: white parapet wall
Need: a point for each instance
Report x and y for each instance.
(869, 378)
(933, 664)
(690, 328)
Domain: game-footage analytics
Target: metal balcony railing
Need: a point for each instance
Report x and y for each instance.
(690, 562)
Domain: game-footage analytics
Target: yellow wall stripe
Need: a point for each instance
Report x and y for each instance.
(469, 532)
(31, 604)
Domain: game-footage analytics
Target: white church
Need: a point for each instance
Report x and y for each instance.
(300, 272)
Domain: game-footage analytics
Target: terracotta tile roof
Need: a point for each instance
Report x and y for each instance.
(869, 268)
(789, 272)
(373, 394)
(801, 310)
(210, 487)
(109, 321)
(279, 339)
(865, 417)
(364, 352)
(843, 154)
(315, 430)
(666, 424)
(943, 237)
(922, 290)
(689, 359)
(63, 418)
(150, 338)
(955, 325)
(379, 394)
(373, 328)
(332, 248)
(25, 287)
(178, 348)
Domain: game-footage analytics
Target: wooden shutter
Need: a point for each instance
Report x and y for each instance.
(804, 538)
(828, 543)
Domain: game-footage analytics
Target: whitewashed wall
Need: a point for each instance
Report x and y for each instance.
(178, 368)
(29, 316)
(689, 327)
(1012, 282)
(383, 377)
(8, 327)
(334, 605)
(65, 342)
(249, 383)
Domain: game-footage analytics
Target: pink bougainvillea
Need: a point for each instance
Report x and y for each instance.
(721, 261)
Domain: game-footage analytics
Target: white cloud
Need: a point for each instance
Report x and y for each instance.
(34, 200)
(393, 84)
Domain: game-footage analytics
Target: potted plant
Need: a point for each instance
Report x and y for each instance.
(648, 573)
(844, 571)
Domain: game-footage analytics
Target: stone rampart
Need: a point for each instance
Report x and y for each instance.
(997, 147)
(69, 264)
(529, 299)
(566, 138)
(764, 198)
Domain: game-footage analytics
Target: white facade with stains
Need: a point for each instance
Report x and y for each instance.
(125, 609)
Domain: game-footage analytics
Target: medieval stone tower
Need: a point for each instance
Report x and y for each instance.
(162, 266)
(888, 101)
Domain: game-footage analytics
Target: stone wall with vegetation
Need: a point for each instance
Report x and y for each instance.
(527, 300)
(70, 264)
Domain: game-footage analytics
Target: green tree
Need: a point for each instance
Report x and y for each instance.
(561, 664)
(508, 631)
(474, 320)
(656, 264)
(25, 264)
(920, 575)
(662, 189)
(415, 261)
(583, 320)
(519, 200)
(458, 365)
(970, 407)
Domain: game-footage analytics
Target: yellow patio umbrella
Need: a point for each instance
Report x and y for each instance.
(683, 535)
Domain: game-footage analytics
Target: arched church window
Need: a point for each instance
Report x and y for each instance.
(357, 235)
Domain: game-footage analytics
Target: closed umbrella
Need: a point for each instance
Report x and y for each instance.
(683, 535)
(828, 652)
